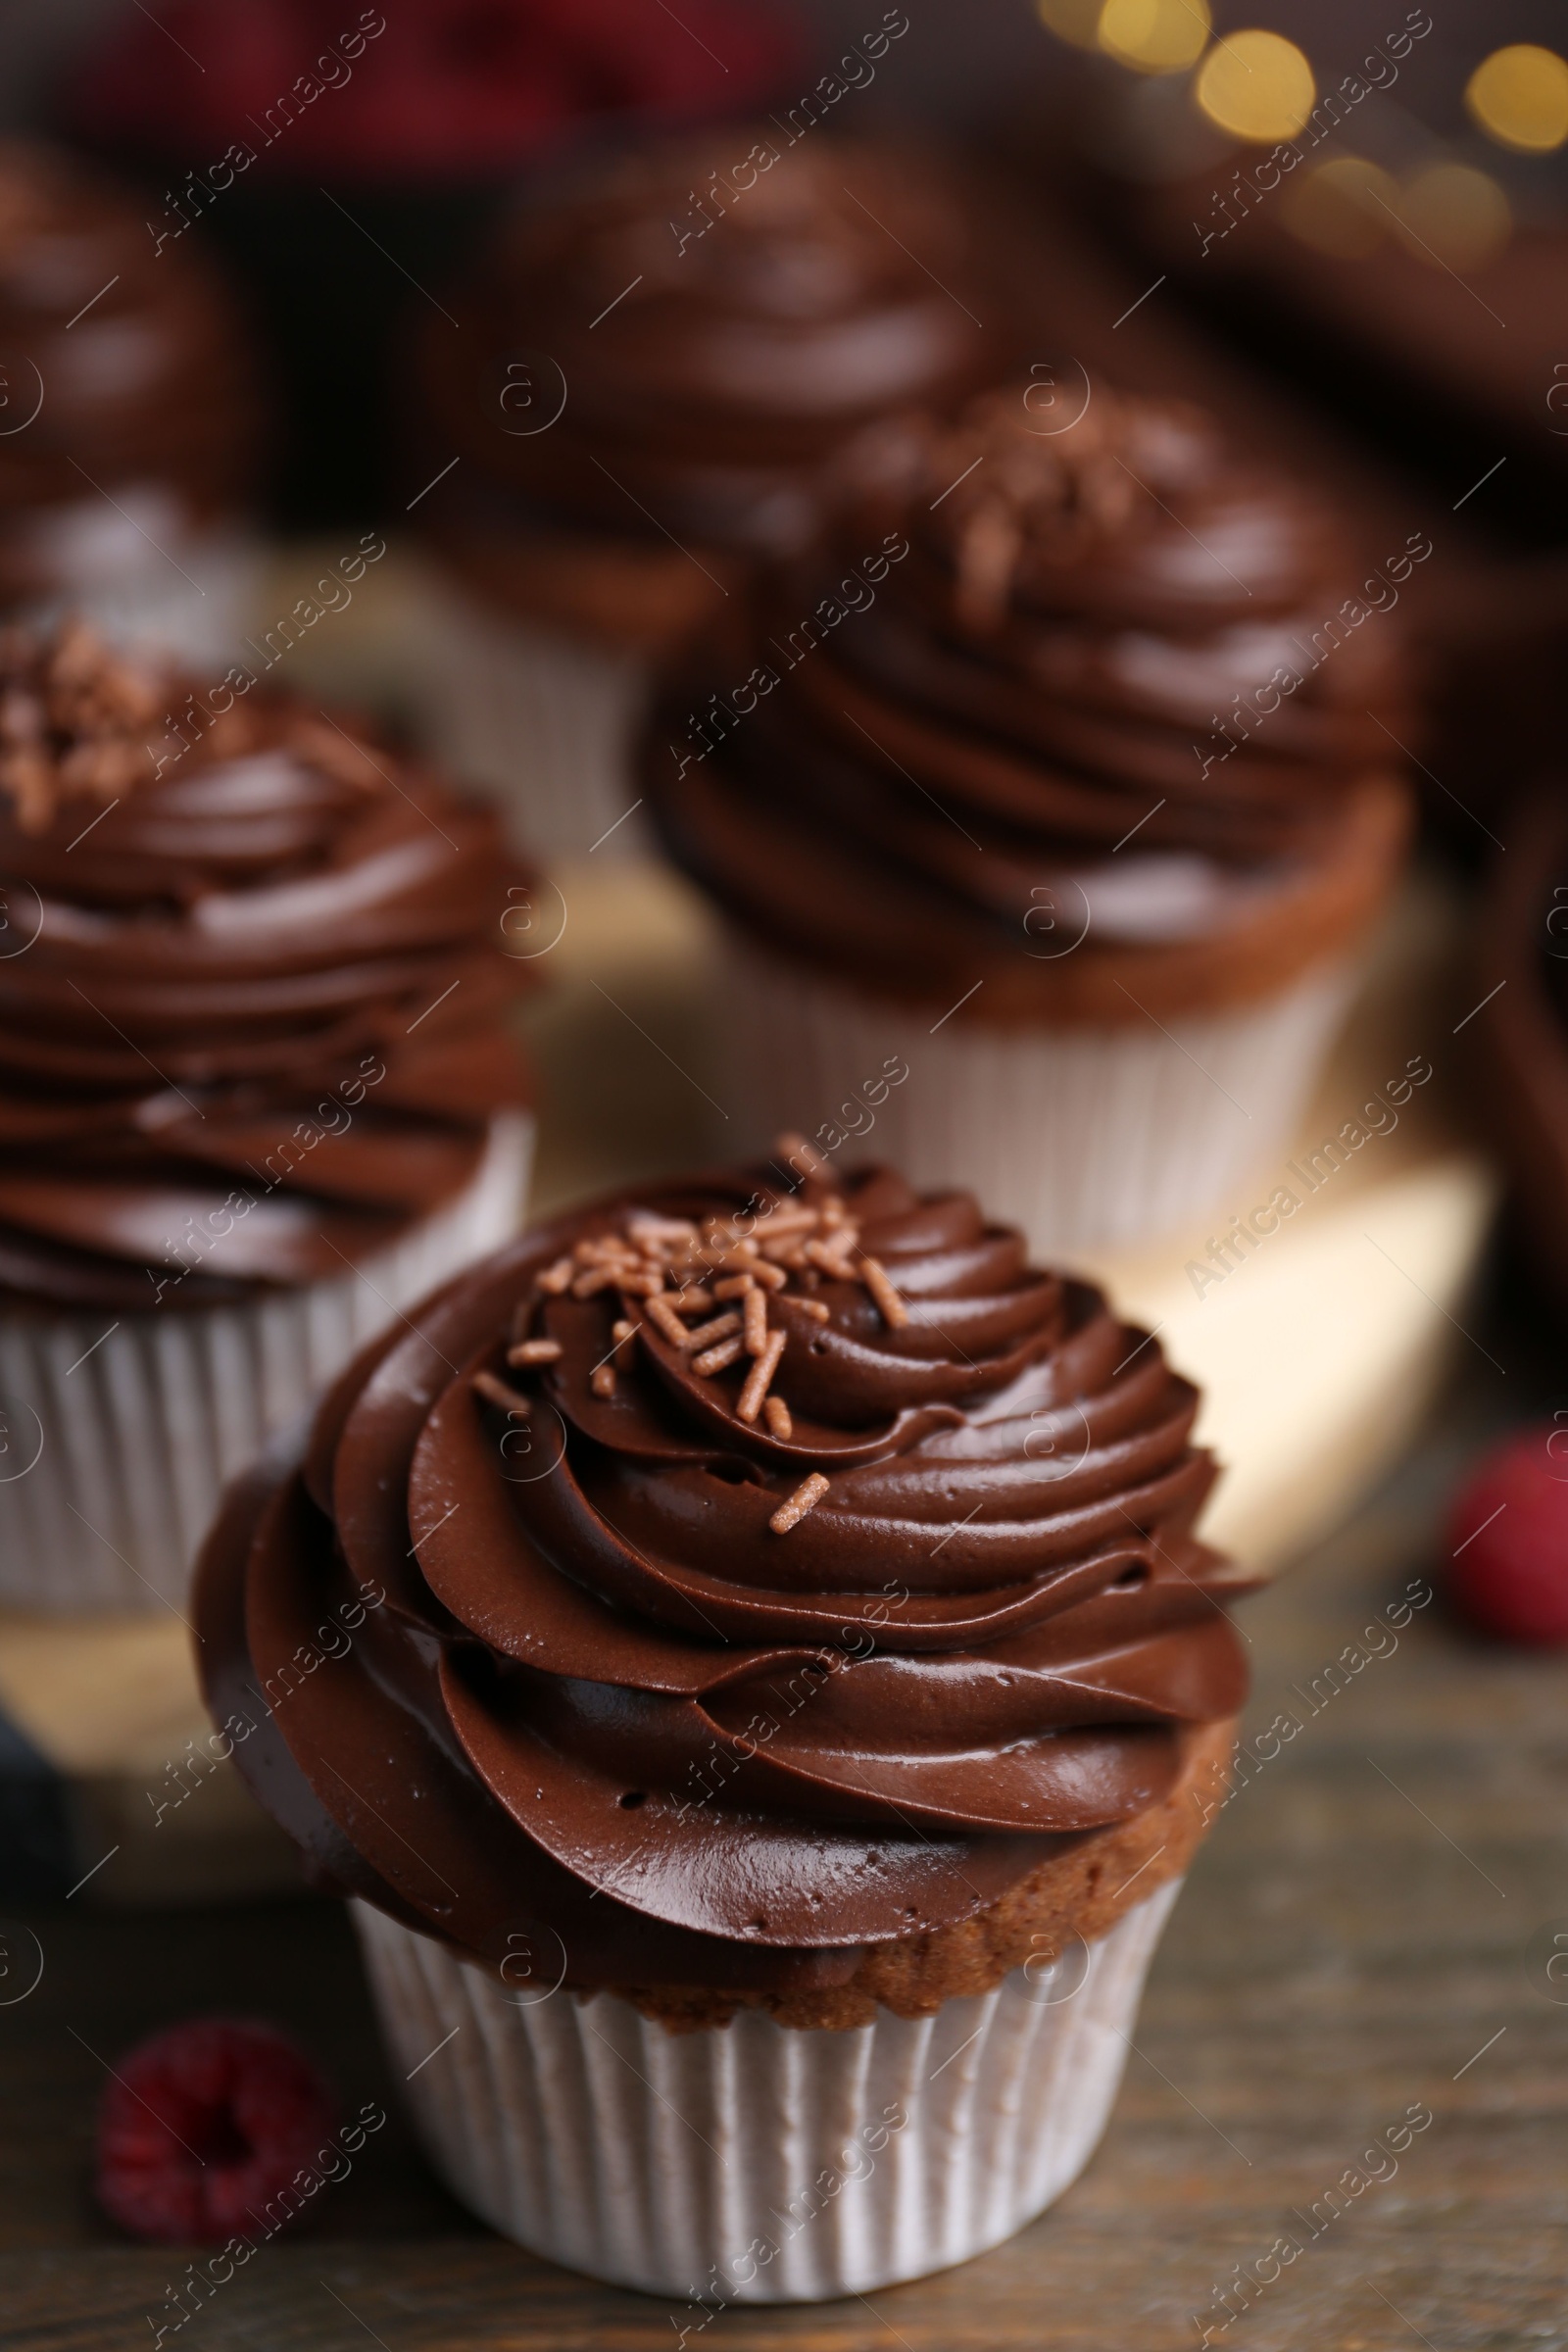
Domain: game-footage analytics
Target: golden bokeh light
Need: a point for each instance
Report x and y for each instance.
(1519, 96)
(1154, 37)
(1256, 85)
(1075, 20)
(1453, 214)
(1342, 207)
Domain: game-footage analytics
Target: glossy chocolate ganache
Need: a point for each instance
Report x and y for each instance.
(746, 1576)
(253, 987)
(1066, 704)
(670, 347)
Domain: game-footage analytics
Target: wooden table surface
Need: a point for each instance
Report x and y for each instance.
(1365, 1933)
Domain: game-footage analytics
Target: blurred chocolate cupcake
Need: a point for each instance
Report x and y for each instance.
(1064, 790)
(129, 418)
(786, 1690)
(660, 374)
(1522, 1027)
(303, 136)
(257, 1090)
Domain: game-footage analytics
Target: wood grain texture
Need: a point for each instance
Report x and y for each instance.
(1357, 1928)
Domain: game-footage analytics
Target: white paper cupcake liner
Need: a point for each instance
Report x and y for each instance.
(543, 722)
(147, 577)
(1085, 1137)
(117, 1438)
(755, 2163)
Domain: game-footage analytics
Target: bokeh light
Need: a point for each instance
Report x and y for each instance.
(1154, 37)
(1336, 208)
(1256, 85)
(1519, 96)
(1453, 214)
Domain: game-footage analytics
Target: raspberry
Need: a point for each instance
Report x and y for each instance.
(1508, 1536)
(201, 2127)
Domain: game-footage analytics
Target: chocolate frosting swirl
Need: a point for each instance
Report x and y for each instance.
(712, 1691)
(1074, 645)
(136, 355)
(720, 342)
(252, 988)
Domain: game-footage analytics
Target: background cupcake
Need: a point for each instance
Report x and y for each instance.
(256, 1090)
(659, 374)
(1522, 1026)
(344, 160)
(130, 424)
(1069, 789)
(797, 1630)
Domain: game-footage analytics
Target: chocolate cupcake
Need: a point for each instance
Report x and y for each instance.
(256, 1091)
(660, 373)
(129, 416)
(784, 1690)
(1066, 789)
(1522, 1026)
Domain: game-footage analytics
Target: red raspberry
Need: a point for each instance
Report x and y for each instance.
(201, 2127)
(1509, 1537)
